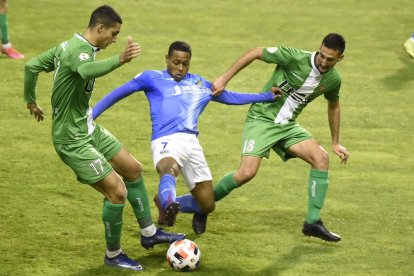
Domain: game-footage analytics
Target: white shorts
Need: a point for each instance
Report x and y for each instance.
(187, 151)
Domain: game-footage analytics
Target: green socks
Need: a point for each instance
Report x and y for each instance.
(317, 188)
(112, 213)
(4, 30)
(225, 185)
(138, 198)
(112, 219)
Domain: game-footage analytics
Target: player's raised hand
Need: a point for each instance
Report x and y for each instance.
(277, 92)
(342, 152)
(131, 51)
(218, 86)
(36, 111)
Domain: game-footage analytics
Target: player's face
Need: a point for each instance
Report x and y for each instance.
(327, 58)
(178, 64)
(108, 35)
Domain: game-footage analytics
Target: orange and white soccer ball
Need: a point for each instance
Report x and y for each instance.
(183, 255)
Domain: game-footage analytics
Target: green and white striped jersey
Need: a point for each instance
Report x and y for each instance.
(301, 82)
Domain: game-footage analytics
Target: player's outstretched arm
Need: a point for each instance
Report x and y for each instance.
(96, 69)
(220, 83)
(132, 50)
(110, 99)
(240, 98)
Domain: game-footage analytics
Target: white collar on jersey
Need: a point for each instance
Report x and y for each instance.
(313, 63)
(79, 36)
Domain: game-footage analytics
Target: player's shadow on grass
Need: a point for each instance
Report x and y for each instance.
(156, 258)
(66, 195)
(293, 258)
(400, 77)
(151, 260)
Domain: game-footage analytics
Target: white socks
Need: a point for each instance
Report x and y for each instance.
(112, 254)
(149, 231)
(7, 46)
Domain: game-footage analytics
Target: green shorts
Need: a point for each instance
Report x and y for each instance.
(89, 160)
(260, 136)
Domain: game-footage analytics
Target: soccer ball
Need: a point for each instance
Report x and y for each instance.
(183, 255)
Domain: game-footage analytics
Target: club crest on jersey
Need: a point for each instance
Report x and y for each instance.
(199, 83)
(322, 88)
(83, 56)
(63, 45)
(271, 50)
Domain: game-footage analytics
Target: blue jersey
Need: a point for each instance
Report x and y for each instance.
(175, 106)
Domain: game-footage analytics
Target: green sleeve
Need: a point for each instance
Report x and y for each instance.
(96, 69)
(42, 63)
(333, 95)
(333, 82)
(277, 55)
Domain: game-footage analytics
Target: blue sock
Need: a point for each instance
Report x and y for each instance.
(188, 204)
(166, 190)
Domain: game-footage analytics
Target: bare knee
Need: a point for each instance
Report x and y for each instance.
(118, 195)
(244, 175)
(131, 171)
(134, 172)
(167, 165)
(112, 188)
(127, 166)
(320, 160)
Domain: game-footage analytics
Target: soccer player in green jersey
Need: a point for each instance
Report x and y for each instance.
(97, 158)
(303, 76)
(6, 47)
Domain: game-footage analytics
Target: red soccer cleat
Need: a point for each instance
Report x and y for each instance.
(12, 53)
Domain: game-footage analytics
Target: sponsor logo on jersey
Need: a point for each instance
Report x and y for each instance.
(83, 56)
(63, 45)
(296, 76)
(189, 89)
(271, 50)
(164, 151)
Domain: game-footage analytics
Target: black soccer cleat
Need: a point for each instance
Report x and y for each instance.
(161, 217)
(170, 213)
(199, 223)
(160, 237)
(318, 230)
(167, 216)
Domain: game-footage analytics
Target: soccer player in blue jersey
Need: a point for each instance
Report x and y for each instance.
(177, 99)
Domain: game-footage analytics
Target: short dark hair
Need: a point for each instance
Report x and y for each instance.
(179, 46)
(105, 15)
(334, 41)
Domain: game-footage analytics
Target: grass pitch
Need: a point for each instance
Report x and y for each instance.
(51, 225)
